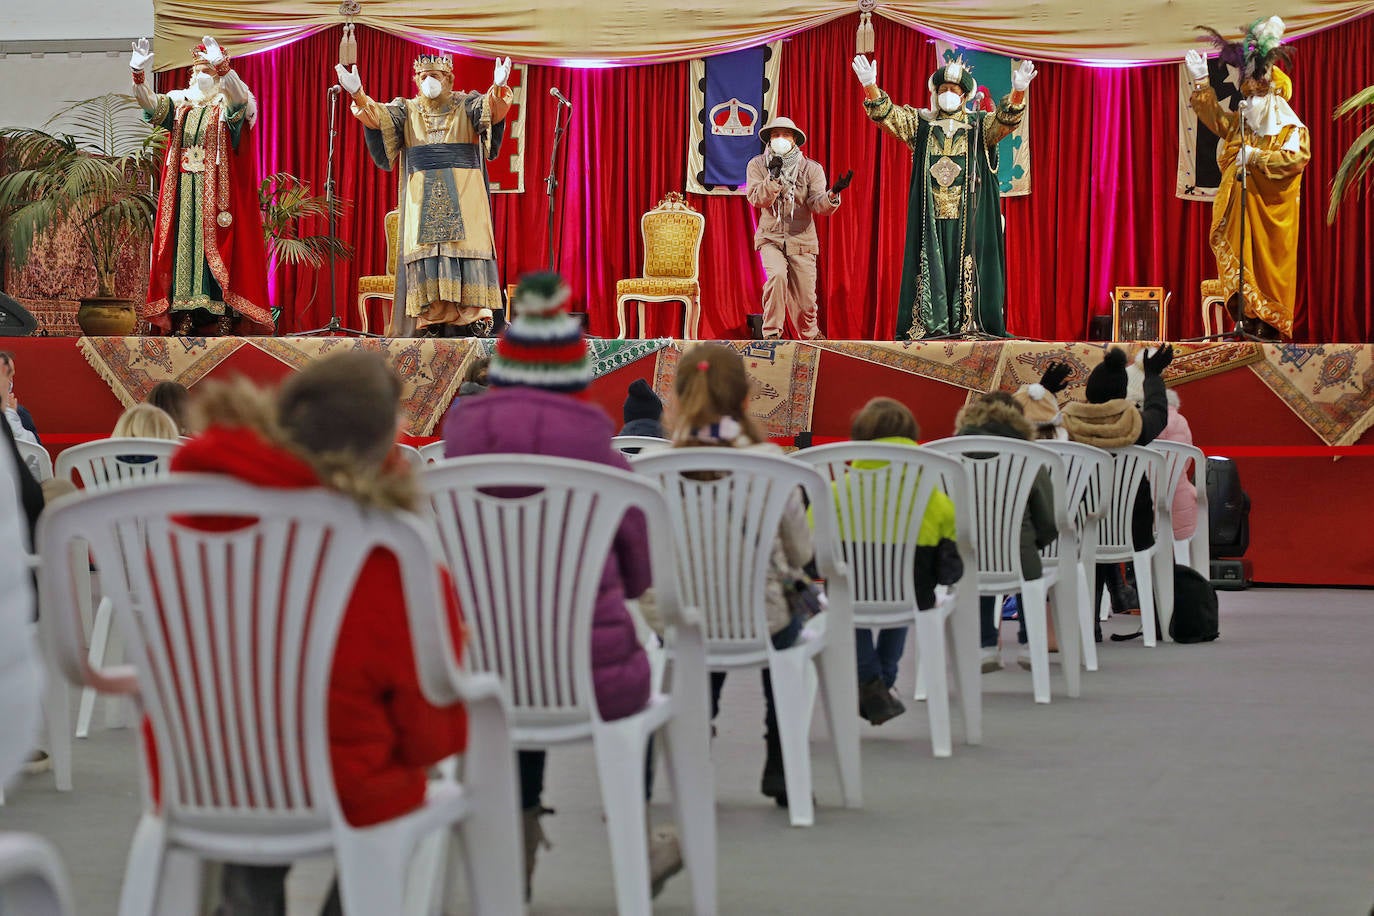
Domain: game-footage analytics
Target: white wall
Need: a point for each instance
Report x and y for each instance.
(55, 51)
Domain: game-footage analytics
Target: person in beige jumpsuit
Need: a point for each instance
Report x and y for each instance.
(789, 190)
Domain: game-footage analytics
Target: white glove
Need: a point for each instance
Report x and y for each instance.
(502, 72)
(1021, 77)
(1247, 154)
(866, 70)
(1196, 65)
(142, 55)
(213, 53)
(349, 80)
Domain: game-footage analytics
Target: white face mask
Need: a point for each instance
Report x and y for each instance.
(949, 101)
(431, 88)
(780, 145)
(202, 84)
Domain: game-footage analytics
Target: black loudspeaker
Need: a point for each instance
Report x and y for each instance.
(1100, 327)
(498, 321)
(755, 321)
(1228, 510)
(15, 320)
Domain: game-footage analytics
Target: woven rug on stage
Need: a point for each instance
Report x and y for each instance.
(1329, 386)
(784, 376)
(131, 366)
(966, 364)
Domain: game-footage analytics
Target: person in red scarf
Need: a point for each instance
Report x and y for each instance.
(333, 425)
(209, 255)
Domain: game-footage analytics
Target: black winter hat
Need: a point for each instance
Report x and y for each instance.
(1108, 381)
(642, 403)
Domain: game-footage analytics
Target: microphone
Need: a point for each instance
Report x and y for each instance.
(562, 100)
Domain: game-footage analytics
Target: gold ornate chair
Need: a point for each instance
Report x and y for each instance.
(1216, 318)
(383, 286)
(672, 234)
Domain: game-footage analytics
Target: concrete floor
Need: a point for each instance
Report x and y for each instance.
(1231, 777)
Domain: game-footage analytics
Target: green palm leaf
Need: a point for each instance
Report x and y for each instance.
(1355, 165)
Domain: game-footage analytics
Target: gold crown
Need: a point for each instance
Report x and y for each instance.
(440, 62)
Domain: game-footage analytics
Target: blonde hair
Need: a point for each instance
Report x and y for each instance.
(711, 384)
(338, 414)
(883, 418)
(144, 421)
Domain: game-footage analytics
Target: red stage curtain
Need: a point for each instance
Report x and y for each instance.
(1102, 210)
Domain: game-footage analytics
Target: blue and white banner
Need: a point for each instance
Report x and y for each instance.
(730, 96)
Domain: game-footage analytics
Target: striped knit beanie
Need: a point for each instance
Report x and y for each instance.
(542, 346)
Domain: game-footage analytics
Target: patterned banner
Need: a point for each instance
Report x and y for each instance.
(730, 97)
(784, 377)
(1198, 172)
(993, 74)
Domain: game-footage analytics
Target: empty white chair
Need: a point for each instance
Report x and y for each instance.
(1130, 467)
(725, 527)
(1003, 471)
(1179, 458)
(880, 492)
(1087, 469)
(231, 635)
(32, 880)
(100, 465)
(37, 458)
(432, 452)
(527, 537)
(635, 445)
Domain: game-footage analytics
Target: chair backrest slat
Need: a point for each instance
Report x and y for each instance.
(1085, 467)
(230, 600)
(528, 538)
(112, 462)
(1131, 466)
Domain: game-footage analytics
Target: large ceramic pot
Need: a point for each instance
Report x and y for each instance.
(106, 316)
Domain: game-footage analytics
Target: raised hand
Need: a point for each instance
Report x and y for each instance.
(142, 54)
(349, 80)
(502, 73)
(213, 52)
(1196, 65)
(775, 167)
(1021, 77)
(1056, 377)
(866, 70)
(842, 182)
(1155, 363)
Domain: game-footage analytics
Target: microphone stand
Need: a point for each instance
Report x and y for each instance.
(1238, 333)
(551, 182)
(333, 327)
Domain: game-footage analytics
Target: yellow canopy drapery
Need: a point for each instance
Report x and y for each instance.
(645, 31)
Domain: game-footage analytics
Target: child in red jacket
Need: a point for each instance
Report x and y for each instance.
(333, 425)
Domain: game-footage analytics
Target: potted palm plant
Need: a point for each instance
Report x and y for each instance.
(1359, 158)
(96, 178)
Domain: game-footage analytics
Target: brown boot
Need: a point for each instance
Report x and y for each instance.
(534, 838)
(184, 327)
(665, 856)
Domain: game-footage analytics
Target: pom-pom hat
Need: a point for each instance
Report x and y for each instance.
(542, 346)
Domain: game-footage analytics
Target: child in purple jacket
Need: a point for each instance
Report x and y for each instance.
(536, 406)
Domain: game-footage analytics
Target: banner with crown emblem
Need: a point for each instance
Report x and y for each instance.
(730, 97)
(992, 73)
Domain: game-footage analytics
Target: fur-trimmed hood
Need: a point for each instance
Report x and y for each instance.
(984, 417)
(1111, 424)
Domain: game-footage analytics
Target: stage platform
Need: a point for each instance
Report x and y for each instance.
(1294, 417)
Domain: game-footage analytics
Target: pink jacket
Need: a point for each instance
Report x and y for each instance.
(1185, 498)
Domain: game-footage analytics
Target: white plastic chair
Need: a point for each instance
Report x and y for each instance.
(32, 880)
(1003, 471)
(725, 530)
(98, 466)
(37, 458)
(432, 452)
(1130, 467)
(635, 445)
(412, 455)
(880, 508)
(528, 538)
(231, 635)
(1087, 469)
(1194, 551)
